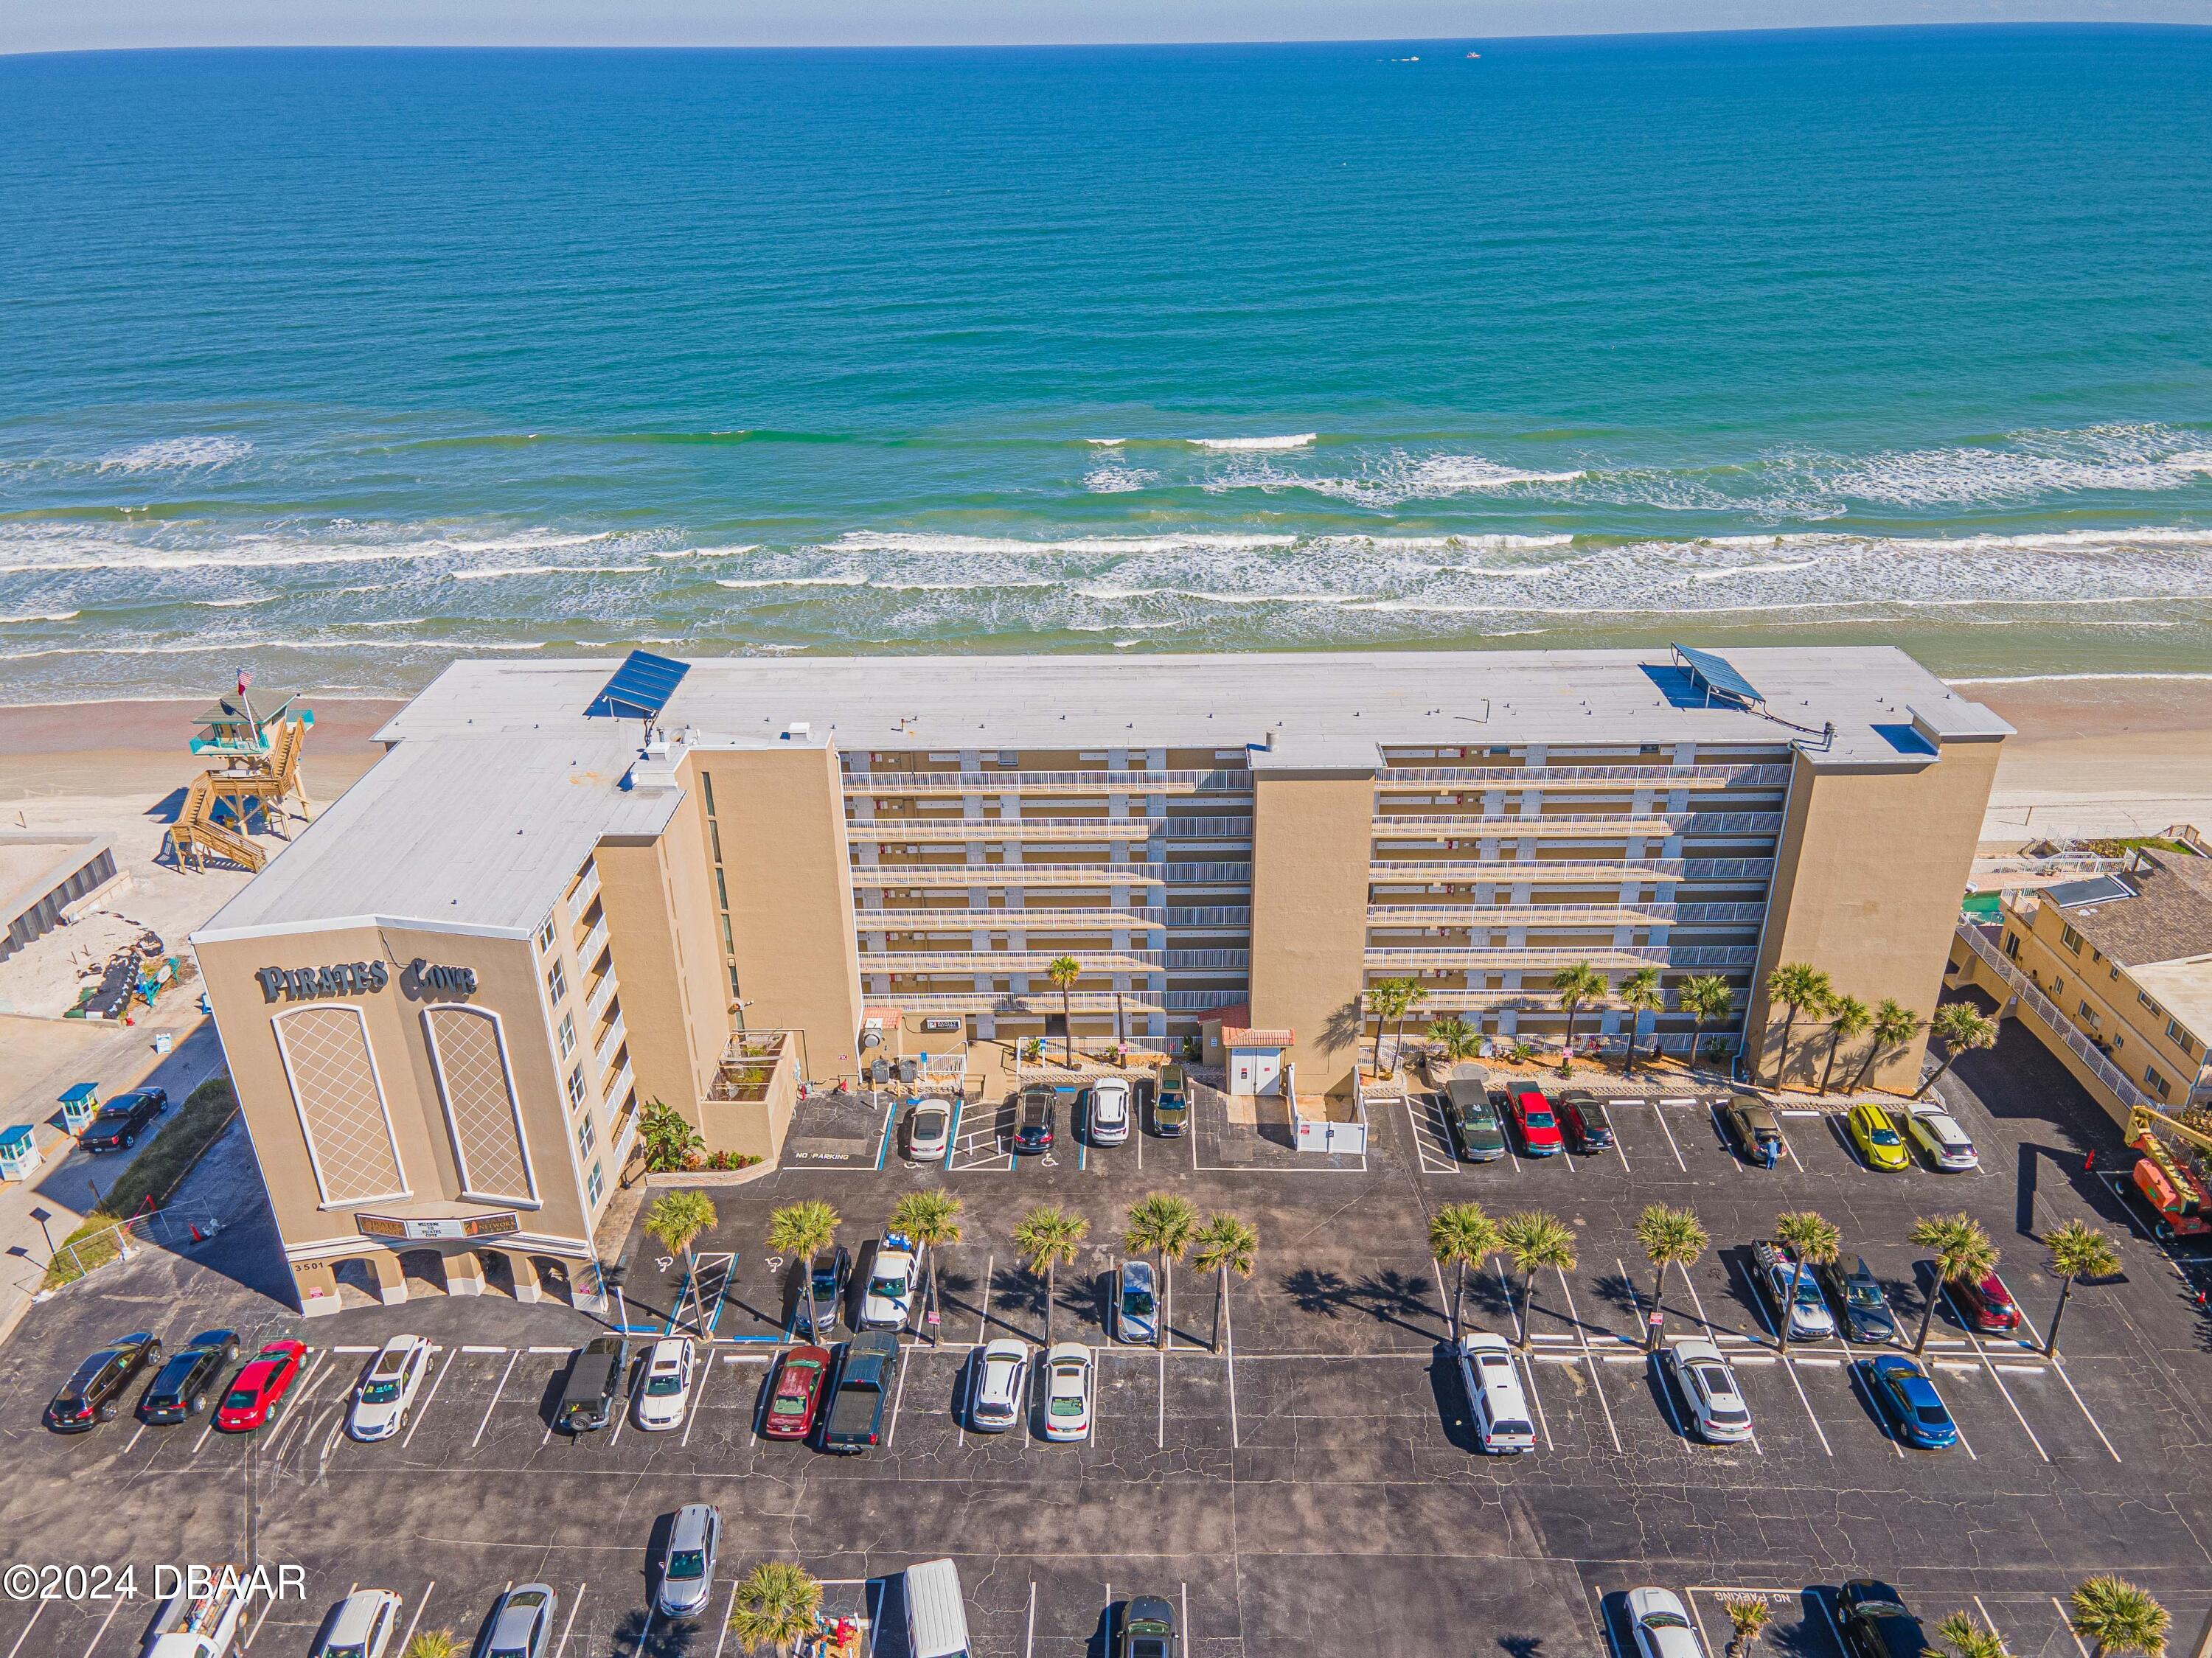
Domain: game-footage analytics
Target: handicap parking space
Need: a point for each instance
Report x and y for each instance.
(982, 1138)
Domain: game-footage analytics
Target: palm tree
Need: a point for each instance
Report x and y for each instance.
(931, 1219)
(1670, 1237)
(1748, 1616)
(1047, 1238)
(1390, 998)
(434, 1643)
(2077, 1250)
(2118, 1617)
(802, 1230)
(1799, 987)
(1963, 1030)
(677, 1218)
(1848, 1016)
(1813, 1240)
(1969, 1639)
(1708, 1000)
(1165, 1224)
(1962, 1251)
(779, 1604)
(1416, 992)
(1225, 1244)
(1063, 972)
(1535, 1240)
(1461, 1236)
(1894, 1023)
(1640, 993)
(1574, 985)
(1457, 1038)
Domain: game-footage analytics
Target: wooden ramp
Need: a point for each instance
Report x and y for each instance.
(196, 836)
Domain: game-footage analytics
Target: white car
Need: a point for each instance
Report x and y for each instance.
(929, 1129)
(1662, 1628)
(1109, 1111)
(387, 1388)
(1136, 1308)
(1938, 1134)
(1808, 1316)
(665, 1392)
(1702, 1376)
(890, 1284)
(362, 1625)
(1067, 1391)
(1494, 1394)
(998, 1386)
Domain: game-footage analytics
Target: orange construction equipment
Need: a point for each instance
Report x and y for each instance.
(2172, 1177)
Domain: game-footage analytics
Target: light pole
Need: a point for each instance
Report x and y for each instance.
(42, 1217)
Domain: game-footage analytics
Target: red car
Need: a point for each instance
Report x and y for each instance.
(1988, 1305)
(797, 1391)
(1539, 1128)
(260, 1386)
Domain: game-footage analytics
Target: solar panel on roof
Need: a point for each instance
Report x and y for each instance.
(1715, 674)
(2097, 890)
(640, 688)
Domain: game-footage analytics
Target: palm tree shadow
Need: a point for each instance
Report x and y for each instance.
(1318, 1291)
(1522, 1646)
(1618, 1289)
(1397, 1298)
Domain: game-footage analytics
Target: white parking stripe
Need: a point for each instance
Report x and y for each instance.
(729, 1607)
(1160, 1439)
(1788, 1367)
(898, 1398)
(698, 1395)
(574, 1607)
(2068, 1623)
(115, 1609)
(436, 1382)
(1659, 1112)
(1981, 1353)
(1597, 1381)
(417, 1618)
(27, 1628)
(512, 1362)
(1229, 1346)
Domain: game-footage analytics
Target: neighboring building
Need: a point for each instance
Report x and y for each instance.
(2126, 959)
(814, 842)
(48, 879)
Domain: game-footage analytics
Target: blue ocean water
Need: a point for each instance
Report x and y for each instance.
(339, 363)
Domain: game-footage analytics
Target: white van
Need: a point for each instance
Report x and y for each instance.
(1494, 1390)
(936, 1617)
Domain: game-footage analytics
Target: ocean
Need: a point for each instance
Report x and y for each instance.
(336, 365)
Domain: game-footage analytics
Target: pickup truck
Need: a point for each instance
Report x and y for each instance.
(202, 1618)
(866, 1372)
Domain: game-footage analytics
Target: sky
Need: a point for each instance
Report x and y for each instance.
(47, 26)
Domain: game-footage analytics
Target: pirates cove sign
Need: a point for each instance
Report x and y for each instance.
(307, 984)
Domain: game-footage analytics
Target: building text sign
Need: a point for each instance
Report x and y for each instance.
(305, 984)
(426, 1230)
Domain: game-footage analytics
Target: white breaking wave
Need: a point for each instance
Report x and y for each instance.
(1295, 440)
(51, 615)
(1393, 480)
(1204, 596)
(855, 579)
(177, 454)
(237, 604)
(551, 569)
(1117, 480)
(900, 540)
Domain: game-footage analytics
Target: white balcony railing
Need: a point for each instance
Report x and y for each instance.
(925, 877)
(595, 1006)
(939, 831)
(1007, 960)
(2064, 1029)
(1099, 918)
(1654, 778)
(618, 1087)
(609, 1045)
(594, 941)
(580, 900)
(893, 784)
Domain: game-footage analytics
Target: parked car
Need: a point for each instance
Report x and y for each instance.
(1875, 1623)
(1810, 1319)
(1068, 1384)
(1539, 1128)
(928, 1128)
(1109, 1117)
(1494, 1395)
(665, 1394)
(1877, 1138)
(123, 1119)
(521, 1623)
(1986, 1304)
(998, 1385)
(595, 1377)
(387, 1388)
(1662, 1628)
(1171, 1104)
(1707, 1387)
(798, 1395)
(1907, 1397)
(200, 1621)
(687, 1564)
(258, 1392)
(1034, 1119)
(1938, 1134)
(936, 1614)
(1588, 1125)
(1857, 1296)
(1478, 1134)
(1136, 1304)
(1148, 1628)
(95, 1390)
(180, 1388)
(867, 1370)
(891, 1278)
(828, 1276)
(1753, 1129)
(360, 1625)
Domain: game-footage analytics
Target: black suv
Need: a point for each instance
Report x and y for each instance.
(122, 1119)
(180, 1389)
(828, 1274)
(1583, 1114)
(595, 1376)
(95, 1390)
(1857, 1296)
(1875, 1623)
(1033, 1127)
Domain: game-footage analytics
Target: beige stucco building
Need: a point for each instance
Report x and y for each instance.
(527, 919)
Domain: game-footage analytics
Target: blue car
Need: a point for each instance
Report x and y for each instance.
(1911, 1402)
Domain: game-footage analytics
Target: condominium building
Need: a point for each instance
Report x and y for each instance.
(559, 895)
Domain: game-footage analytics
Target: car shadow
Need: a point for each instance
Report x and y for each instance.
(1454, 1414)
(1667, 1403)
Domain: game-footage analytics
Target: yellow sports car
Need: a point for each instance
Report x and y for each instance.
(1878, 1142)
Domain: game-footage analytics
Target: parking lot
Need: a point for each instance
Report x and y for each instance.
(1311, 1485)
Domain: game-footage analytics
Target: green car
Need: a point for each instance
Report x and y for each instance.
(1477, 1135)
(1148, 1629)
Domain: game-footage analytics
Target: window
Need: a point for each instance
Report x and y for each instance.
(2070, 938)
(2178, 1037)
(2012, 943)
(545, 935)
(587, 1135)
(714, 835)
(2148, 1003)
(594, 1185)
(2157, 1083)
(2057, 986)
(556, 983)
(568, 1034)
(576, 1086)
(707, 788)
(734, 992)
(721, 887)
(2088, 1015)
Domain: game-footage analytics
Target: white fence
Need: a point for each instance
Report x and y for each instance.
(2034, 1001)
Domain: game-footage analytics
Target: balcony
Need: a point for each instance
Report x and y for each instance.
(755, 1065)
(595, 1006)
(1657, 779)
(1203, 829)
(1208, 875)
(1034, 1002)
(1551, 957)
(1007, 960)
(1209, 917)
(2063, 1029)
(1537, 917)
(595, 941)
(1575, 871)
(1100, 919)
(1209, 961)
(923, 877)
(587, 888)
(939, 831)
(618, 1085)
(609, 1044)
(1572, 826)
(893, 784)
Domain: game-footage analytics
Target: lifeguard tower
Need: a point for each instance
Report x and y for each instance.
(253, 783)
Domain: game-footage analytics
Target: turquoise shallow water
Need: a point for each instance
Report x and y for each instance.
(339, 363)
